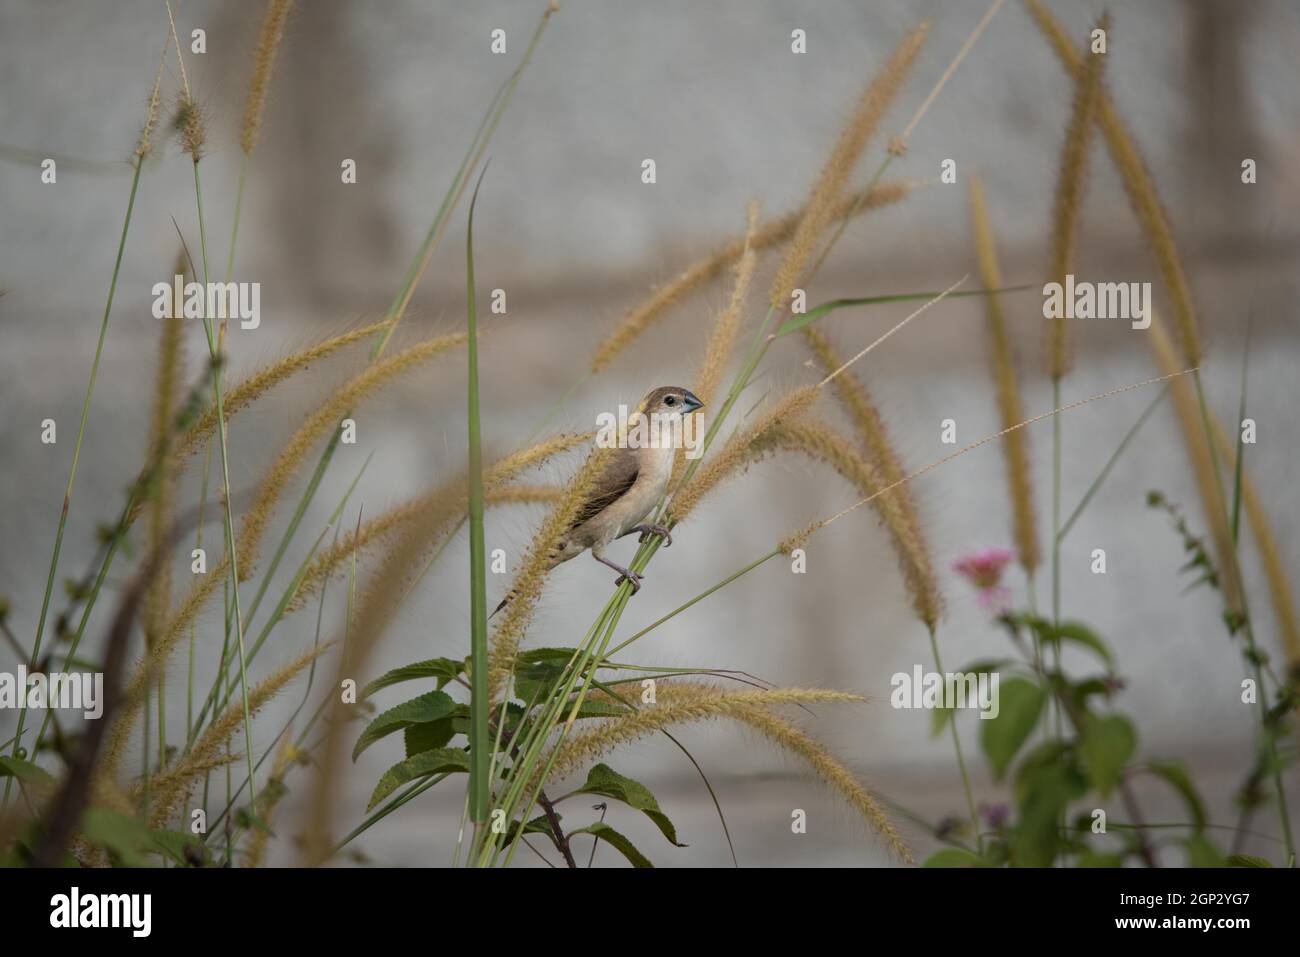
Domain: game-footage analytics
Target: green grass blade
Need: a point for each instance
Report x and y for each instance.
(479, 783)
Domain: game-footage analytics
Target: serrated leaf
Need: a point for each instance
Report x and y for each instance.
(427, 736)
(616, 841)
(954, 857)
(604, 781)
(427, 707)
(1020, 704)
(421, 765)
(1106, 744)
(444, 669)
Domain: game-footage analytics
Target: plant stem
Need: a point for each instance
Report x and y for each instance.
(76, 458)
(956, 743)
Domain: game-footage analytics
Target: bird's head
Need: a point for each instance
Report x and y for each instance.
(670, 400)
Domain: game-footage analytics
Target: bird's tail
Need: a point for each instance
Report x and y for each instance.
(556, 556)
(504, 601)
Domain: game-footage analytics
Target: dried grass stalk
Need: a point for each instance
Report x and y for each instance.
(268, 44)
(1138, 186)
(770, 234)
(831, 183)
(1070, 185)
(679, 702)
(1010, 408)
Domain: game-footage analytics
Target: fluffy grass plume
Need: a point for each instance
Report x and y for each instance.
(1010, 409)
(448, 499)
(822, 443)
(770, 234)
(537, 564)
(722, 338)
(1183, 393)
(1141, 191)
(830, 185)
(1279, 582)
(681, 702)
(1070, 186)
(738, 452)
(320, 423)
(268, 45)
(168, 789)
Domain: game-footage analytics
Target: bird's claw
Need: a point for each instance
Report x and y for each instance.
(660, 530)
(632, 577)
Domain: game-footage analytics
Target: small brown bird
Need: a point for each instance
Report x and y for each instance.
(628, 488)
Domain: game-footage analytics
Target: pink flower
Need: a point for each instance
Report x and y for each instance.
(983, 569)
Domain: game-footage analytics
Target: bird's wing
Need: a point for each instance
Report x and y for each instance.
(617, 477)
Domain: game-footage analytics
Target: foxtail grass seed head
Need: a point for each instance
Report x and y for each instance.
(722, 338)
(830, 185)
(1010, 408)
(1070, 186)
(189, 123)
(268, 45)
(1138, 186)
(680, 702)
(769, 235)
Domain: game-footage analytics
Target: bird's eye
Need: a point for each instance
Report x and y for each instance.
(670, 401)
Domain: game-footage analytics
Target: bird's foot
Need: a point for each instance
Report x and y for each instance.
(629, 576)
(647, 530)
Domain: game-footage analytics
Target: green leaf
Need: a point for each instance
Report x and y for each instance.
(427, 707)
(1175, 775)
(437, 761)
(1106, 744)
(1201, 852)
(616, 841)
(606, 782)
(1079, 634)
(444, 669)
(1021, 703)
(430, 734)
(127, 839)
(1246, 860)
(954, 857)
(25, 771)
(795, 323)
(1046, 782)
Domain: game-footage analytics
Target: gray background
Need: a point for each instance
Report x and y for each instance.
(712, 93)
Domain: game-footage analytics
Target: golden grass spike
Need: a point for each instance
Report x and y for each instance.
(1187, 406)
(680, 701)
(527, 586)
(1070, 186)
(770, 234)
(822, 443)
(722, 338)
(165, 400)
(1279, 582)
(830, 185)
(268, 44)
(252, 388)
(270, 799)
(318, 425)
(737, 453)
(1141, 191)
(168, 789)
(447, 499)
(1010, 408)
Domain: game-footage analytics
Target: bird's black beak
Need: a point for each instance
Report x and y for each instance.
(692, 403)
